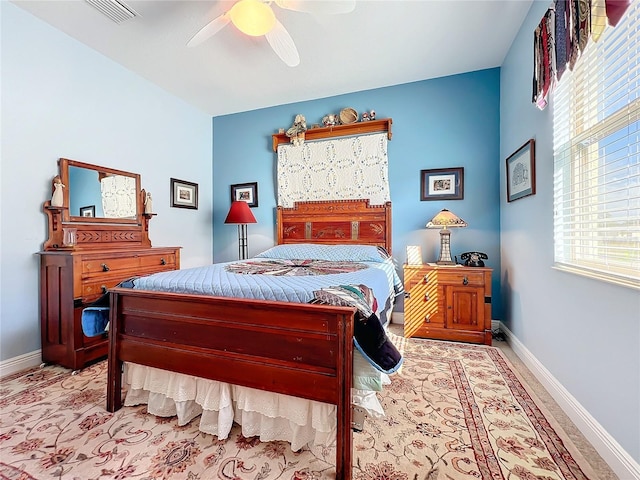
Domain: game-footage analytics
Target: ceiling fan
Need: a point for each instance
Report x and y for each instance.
(257, 18)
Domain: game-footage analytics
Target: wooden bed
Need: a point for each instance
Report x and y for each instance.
(303, 350)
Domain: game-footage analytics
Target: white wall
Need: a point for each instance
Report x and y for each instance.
(585, 332)
(62, 99)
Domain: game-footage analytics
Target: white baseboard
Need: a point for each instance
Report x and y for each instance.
(609, 449)
(21, 362)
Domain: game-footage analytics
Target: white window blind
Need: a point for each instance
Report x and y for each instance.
(596, 119)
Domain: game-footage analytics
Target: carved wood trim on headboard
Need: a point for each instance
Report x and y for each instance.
(335, 222)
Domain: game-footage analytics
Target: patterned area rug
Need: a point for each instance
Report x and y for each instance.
(455, 411)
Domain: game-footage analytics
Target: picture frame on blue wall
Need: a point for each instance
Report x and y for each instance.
(247, 192)
(442, 184)
(521, 172)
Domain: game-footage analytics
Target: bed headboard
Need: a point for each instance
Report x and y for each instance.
(335, 222)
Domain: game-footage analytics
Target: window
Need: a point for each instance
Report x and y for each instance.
(596, 125)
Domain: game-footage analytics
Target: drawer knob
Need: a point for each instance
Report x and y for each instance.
(426, 297)
(427, 319)
(407, 294)
(426, 279)
(105, 267)
(104, 289)
(465, 281)
(163, 261)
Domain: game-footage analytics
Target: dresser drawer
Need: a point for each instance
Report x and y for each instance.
(99, 272)
(113, 264)
(93, 289)
(95, 286)
(158, 260)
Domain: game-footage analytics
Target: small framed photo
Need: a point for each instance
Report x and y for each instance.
(88, 211)
(442, 184)
(414, 255)
(521, 172)
(247, 192)
(184, 194)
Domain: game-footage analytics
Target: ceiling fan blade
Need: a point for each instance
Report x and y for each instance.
(316, 6)
(283, 45)
(209, 30)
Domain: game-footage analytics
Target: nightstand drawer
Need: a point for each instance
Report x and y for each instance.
(451, 277)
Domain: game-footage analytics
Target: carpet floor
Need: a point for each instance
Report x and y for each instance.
(454, 411)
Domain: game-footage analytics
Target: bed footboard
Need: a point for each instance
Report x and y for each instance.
(301, 350)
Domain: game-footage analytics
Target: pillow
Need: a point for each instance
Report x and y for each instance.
(331, 253)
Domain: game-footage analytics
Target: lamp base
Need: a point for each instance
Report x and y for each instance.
(445, 262)
(243, 243)
(445, 248)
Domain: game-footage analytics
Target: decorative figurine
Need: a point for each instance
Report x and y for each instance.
(57, 199)
(330, 120)
(366, 116)
(297, 131)
(148, 203)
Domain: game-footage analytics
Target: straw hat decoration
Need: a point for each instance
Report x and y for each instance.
(348, 115)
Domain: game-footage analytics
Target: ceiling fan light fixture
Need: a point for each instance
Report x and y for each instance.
(252, 17)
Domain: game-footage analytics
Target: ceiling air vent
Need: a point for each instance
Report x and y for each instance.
(114, 9)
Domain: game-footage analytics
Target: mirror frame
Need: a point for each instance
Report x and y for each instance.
(65, 163)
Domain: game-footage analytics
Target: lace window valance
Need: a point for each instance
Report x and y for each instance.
(336, 169)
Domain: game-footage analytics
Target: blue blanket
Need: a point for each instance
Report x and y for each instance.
(95, 317)
(95, 320)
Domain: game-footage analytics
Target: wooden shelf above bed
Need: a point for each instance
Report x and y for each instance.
(358, 128)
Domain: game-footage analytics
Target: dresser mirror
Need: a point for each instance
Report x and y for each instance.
(99, 194)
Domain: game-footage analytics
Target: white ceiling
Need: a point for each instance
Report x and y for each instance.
(380, 43)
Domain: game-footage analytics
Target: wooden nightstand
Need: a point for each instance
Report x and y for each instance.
(448, 303)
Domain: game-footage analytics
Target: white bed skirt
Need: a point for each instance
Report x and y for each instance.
(270, 416)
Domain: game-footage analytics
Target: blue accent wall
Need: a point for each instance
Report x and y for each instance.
(445, 122)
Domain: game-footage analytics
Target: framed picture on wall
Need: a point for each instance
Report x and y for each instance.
(442, 184)
(247, 192)
(89, 211)
(184, 194)
(521, 172)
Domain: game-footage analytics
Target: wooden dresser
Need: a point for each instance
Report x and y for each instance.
(84, 257)
(69, 281)
(448, 303)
